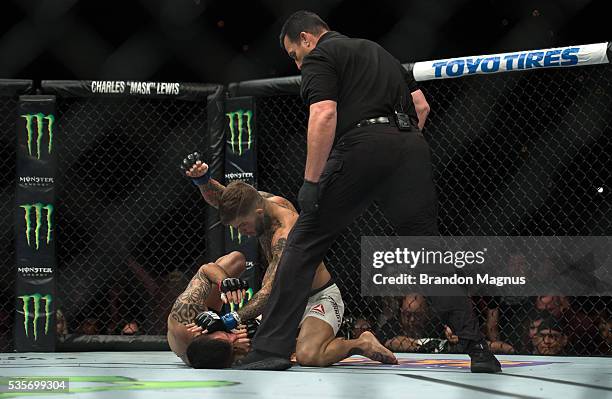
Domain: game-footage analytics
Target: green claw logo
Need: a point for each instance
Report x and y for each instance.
(235, 234)
(38, 208)
(27, 315)
(236, 125)
(40, 122)
(249, 295)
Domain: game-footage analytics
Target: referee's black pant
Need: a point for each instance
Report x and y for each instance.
(373, 163)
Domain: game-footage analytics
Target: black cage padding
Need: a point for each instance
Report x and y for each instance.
(266, 87)
(10, 90)
(83, 88)
(109, 343)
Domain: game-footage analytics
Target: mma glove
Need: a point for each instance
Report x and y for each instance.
(308, 197)
(233, 284)
(191, 160)
(211, 322)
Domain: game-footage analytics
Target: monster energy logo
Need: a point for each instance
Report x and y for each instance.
(237, 234)
(39, 118)
(38, 208)
(236, 125)
(36, 298)
(249, 295)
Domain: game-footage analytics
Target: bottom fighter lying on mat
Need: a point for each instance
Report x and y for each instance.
(271, 218)
(204, 294)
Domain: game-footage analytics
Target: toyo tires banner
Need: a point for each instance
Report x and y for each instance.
(588, 54)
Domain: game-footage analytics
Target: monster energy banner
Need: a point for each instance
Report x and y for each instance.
(35, 316)
(35, 231)
(241, 164)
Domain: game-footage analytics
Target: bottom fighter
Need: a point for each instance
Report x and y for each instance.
(271, 218)
(203, 293)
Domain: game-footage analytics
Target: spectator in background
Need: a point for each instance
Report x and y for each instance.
(555, 305)
(525, 329)
(508, 319)
(502, 316)
(130, 328)
(149, 294)
(550, 338)
(604, 326)
(494, 346)
(61, 326)
(390, 309)
(360, 326)
(89, 326)
(129, 300)
(533, 323)
(162, 292)
(580, 329)
(414, 322)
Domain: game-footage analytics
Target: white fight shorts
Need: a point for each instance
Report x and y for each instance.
(326, 304)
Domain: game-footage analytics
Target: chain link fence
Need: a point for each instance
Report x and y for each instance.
(514, 154)
(129, 235)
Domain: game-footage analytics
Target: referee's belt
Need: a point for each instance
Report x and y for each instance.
(374, 121)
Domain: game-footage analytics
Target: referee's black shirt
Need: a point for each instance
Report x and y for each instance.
(362, 77)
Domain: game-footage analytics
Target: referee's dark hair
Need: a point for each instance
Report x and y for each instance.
(301, 21)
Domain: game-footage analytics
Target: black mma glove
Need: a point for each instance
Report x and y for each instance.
(433, 345)
(191, 160)
(233, 284)
(251, 327)
(210, 321)
(308, 197)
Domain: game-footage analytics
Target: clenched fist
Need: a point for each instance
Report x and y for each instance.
(194, 167)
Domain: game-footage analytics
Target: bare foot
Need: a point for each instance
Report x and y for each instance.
(375, 350)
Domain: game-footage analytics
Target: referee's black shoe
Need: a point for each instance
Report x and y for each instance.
(482, 359)
(259, 360)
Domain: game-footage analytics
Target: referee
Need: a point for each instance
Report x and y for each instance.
(364, 145)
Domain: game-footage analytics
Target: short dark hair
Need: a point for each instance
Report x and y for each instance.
(550, 323)
(238, 199)
(301, 21)
(205, 352)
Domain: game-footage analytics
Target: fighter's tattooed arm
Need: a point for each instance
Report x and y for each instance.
(255, 306)
(191, 301)
(212, 192)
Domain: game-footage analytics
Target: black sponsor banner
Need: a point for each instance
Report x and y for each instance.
(122, 88)
(35, 230)
(241, 164)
